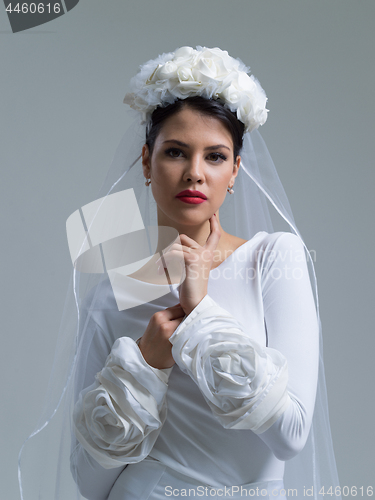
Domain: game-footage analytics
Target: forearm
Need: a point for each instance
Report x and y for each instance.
(117, 418)
(244, 384)
(267, 389)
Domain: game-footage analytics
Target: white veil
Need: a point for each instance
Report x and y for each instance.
(44, 465)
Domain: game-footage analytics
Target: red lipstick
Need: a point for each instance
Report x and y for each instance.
(191, 196)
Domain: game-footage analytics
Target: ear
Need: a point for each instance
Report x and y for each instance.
(146, 161)
(236, 168)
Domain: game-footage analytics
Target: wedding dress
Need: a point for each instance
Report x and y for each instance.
(227, 418)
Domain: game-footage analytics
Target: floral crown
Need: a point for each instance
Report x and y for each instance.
(210, 73)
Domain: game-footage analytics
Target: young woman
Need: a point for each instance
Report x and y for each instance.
(206, 384)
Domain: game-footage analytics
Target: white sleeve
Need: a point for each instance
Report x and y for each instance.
(116, 419)
(269, 390)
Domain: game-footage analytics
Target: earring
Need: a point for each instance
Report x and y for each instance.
(148, 182)
(230, 190)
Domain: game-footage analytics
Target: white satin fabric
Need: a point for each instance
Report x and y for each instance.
(243, 383)
(119, 417)
(238, 402)
(163, 482)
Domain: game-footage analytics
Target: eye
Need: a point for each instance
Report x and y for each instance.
(174, 152)
(217, 157)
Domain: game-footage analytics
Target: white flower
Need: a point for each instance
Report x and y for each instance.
(114, 427)
(246, 83)
(210, 73)
(245, 111)
(208, 68)
(232, 95)
(187, 89)
(185, 74)
(185, 53)
(168, 70)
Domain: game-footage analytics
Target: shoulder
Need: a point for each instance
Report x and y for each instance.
(281, 238)
(278, 240)
(268, 241)
(278, 247)
(263, 243)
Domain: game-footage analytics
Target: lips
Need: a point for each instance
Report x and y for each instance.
(189, 193)
(191, 196)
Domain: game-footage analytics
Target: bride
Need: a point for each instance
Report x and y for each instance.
(208, 387)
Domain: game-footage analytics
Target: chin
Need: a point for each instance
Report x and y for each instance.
(187, 220)
(190, 221)
(186, 217)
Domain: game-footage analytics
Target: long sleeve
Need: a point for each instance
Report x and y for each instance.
(243, 383)
(268, 390)
(118, 417)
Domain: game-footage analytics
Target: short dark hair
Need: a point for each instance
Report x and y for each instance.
(209, 107)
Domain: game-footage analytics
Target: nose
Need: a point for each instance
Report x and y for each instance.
(194, 169)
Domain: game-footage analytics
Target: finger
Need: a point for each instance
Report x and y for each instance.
(176, 247)
(174, 312)
(178, 255)
(173, 248)
(177, 322)
(175, 244)
(189, 242)
(215, 234)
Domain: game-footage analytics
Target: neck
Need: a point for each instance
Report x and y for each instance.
(198, 233)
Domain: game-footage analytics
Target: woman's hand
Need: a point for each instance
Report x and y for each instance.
(198, 262)
(154, 343)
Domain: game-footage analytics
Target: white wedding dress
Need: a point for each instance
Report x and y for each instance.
(238, 402)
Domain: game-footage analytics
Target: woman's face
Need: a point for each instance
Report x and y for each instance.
(191, 152)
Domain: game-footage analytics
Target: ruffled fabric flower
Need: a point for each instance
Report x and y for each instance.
(119, 417)
(210, 73)
(244, 384)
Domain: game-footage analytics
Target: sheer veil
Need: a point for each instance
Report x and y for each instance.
(44, 470)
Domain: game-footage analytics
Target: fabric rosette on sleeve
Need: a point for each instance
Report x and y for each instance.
(118, 418)
(244, 384)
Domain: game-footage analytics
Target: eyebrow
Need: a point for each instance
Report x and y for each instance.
(184, 145)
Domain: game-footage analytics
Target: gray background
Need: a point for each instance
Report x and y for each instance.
(62, 116)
